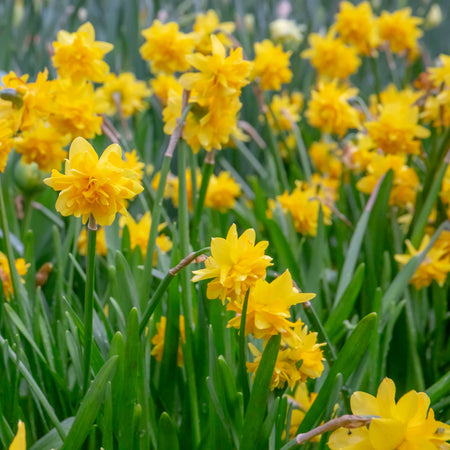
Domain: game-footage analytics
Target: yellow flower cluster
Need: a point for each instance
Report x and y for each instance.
(436, 264)
(237, 270)
(94, 186)
(304, 202)
(286, 110)
(158, 340)
(222, 192)
(407, 424)
(5, 273)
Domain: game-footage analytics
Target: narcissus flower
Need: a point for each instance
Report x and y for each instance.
(19, 442)
(79, 56)
(268, 308)
(441, 74)
(330, 56)
(397, 130)
(271, 65)
(158, 340)
(301, 401)
(43, 145)
(140, 232)
(329, 111)
(122, 94)
(435, 266)
(205, 26)
(324, 155)
(219, 75)
(286, 109)
(95, 186)
(235, 265)
(5, 273)
(166, 47)
(400, 30)
(408, 424)
(286, 32)
(222, 192)
(357, 26)
(6, 143)
(162, 84)
(133, 163)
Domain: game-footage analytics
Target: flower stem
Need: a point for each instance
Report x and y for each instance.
(186, 297)
(208, 168)
(89, 301)
(242, 353)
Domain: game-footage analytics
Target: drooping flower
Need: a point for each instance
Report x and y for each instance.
(79, 56)
(324, 155)
(218, 75)
(408, 424)
(268, 308)
(222, 192)
(271, 65)
(235, 265)
(166, 47)
(158, 340)
(43, 145)
(397, 130)
(122, 94)
(357, 26)
(20, 441)
(100, 242)
(5, 273)
(330, 56)
(435, 266)
(95, 186)
(162, 84)
(329, 109)
(140, 232)
(400, 30)
(205, 26)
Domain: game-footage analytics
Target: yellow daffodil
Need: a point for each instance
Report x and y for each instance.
(158, 340)
(122, 94)
(133, 163)
(286, 109)
(79, 56)
(162, 84)
(329, 111)
(435, 266)
(140, 231)
(357, 26)
(166, 47)
(235, 265)
(6, 143)
(20, 441)
(93, 186)
(400, 30)
(268, 307)
(301, 401)
(5, 273)
(330, 56)
(222, 192)
(408, 424)
(271, 65)
(324, 155)
(441, 74)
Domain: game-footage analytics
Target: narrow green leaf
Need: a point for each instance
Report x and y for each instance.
(257, 404)
(52, 439)
(90, 407)
(440, 389)
(167, 433)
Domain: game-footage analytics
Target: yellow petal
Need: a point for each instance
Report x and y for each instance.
(386, 434)
(364, 404)
(19, 442)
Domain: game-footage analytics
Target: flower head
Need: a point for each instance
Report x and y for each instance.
(329, 110)
(357, 26)
(94, 186)
(5, 273)
(166, 47)
(441, 74)
(325, 158)
(222, 192)
(268, 307)
(271, 65)
(6, 143)
(287, 32)
(330, 56)
(406, 424)
(234, 266)
(162, 84)
(286, 109)
(123, 94)
(79, 56)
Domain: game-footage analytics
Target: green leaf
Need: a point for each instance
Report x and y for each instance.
(126, 286)
(440, 389)
(257, 404)
(167, 433)
(90, 407)
(52, 439)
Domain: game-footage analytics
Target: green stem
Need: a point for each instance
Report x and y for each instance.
(27, 210)
(89, 301)
(242, 353)
(186, 297)
(208, 168)
(9, 251)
